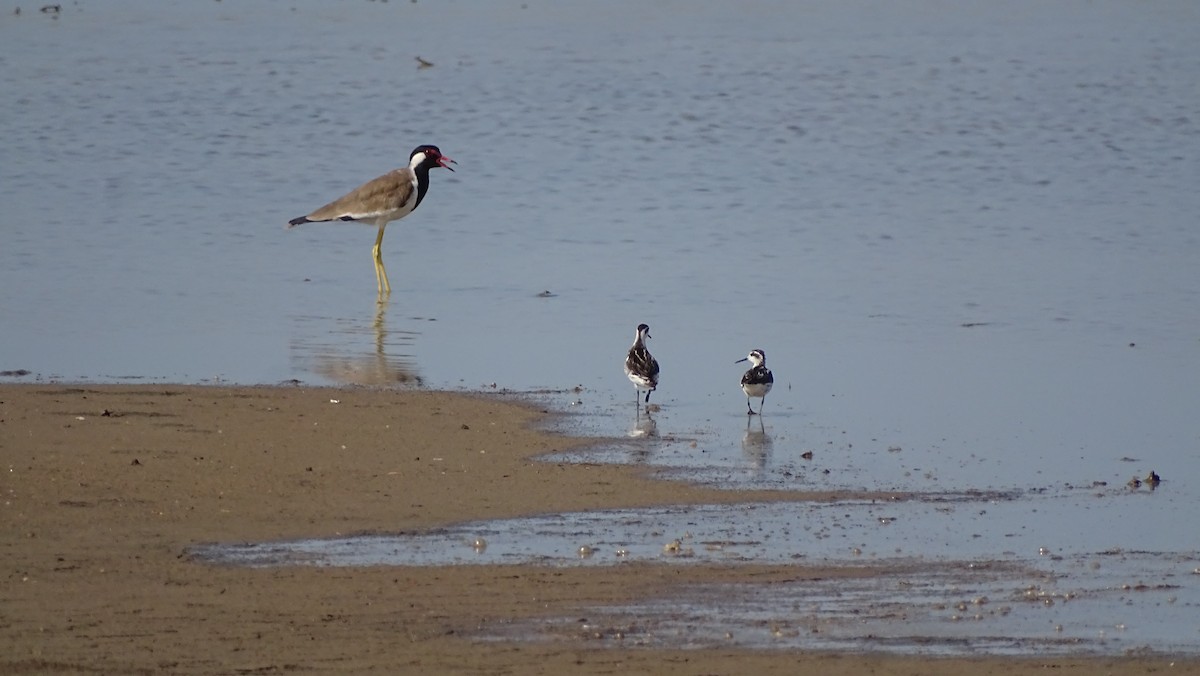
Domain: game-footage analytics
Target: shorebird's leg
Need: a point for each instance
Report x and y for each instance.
(381, 278)
(749, 411)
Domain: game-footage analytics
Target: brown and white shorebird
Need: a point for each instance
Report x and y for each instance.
(758, 380)
(640, 366)
(383, 200)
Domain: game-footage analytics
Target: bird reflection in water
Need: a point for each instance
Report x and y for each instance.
(756, 443)
(336, 359)
(644, 427)
(642, 432)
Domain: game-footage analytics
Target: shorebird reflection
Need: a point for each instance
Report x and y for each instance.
(644, 427)
(756, 443)
(380, 366)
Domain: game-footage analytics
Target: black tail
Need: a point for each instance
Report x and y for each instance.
(298, 221)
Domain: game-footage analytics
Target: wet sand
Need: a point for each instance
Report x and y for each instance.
(104, 488)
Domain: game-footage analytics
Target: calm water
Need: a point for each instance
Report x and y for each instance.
(965, 236)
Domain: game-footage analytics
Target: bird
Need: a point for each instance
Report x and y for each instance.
(758, 380)
(382, 200)
(640, 366)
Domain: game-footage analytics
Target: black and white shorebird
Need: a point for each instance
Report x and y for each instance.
(758, 380)
(640, 366)
(383, 200)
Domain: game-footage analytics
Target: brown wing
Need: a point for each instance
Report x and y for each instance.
(641, 362)
(388, 193)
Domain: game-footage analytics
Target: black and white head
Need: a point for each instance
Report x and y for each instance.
(756, 358)
(643, 332)
(428, 157)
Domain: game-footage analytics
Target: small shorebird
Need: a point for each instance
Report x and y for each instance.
(758, 380)
(640, 366)
(383, 200)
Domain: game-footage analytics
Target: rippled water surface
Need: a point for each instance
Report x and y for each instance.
(964, 235)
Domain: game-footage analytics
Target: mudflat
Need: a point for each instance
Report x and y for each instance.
(104, 488)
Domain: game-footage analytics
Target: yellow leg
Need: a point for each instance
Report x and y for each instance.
(381, 278)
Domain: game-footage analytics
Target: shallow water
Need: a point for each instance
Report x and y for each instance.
(950, 575)
(924, 609)
(965, 236)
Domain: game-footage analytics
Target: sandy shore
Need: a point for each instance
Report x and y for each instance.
(104, 488)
